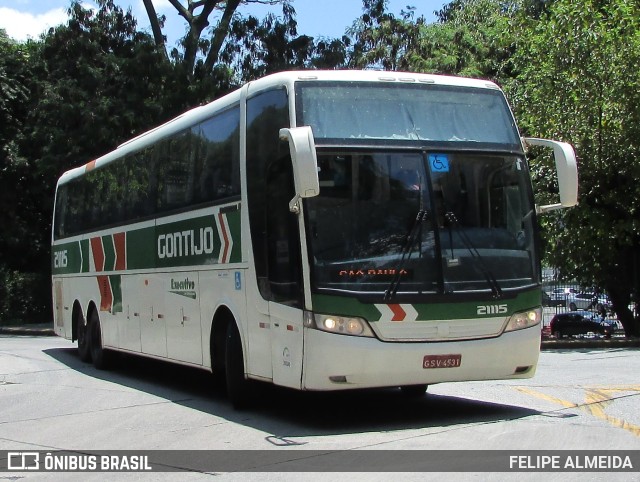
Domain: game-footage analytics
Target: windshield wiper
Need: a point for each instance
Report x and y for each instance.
(406, 249)
(475, 255)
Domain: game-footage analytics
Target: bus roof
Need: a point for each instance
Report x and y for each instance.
(201, 113)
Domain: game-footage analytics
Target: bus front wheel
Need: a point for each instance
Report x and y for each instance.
(237, 384)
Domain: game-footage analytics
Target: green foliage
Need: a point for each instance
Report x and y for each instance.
(13, 92)
(15, 80)
(382, 40)
(577, 81)
(82, 89)
(260, 47)
(24, 297)
(472, 39)
(475, 41)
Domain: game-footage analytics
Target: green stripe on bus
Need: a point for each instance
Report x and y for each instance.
(188, 242)
(66, 258)
(109, 253)
(84, 250)
(453, 310)
(116, 288)
(233, 219)
(141, 249)
(344, 305)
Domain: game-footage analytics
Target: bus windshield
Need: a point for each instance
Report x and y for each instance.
(421, 222)
(383, 113)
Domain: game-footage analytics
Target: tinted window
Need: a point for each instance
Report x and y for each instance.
(217, 152)
(197, 166)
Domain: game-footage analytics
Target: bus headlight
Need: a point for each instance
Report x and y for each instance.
(524, 319)
(342, 325)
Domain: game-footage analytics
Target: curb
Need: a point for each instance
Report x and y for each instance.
(586, 343)
(41, 329)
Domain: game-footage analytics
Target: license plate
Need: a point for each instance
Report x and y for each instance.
(441, 361)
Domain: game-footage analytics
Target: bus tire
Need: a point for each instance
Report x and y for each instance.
(414, 391)
(237, 384)
(82, 334)
(100, 356)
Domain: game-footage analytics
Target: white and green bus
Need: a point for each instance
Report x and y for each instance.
(314, 230)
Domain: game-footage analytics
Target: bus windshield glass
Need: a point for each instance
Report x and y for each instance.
(390, 221)
(350, 113)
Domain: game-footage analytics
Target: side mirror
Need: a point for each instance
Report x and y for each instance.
(567, 169)
(305, 164)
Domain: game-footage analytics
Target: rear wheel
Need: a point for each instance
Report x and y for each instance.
(414, 391)
(82, 334)
(237, 384)
(99, 355)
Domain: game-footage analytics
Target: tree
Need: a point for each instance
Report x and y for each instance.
(74, 95)
(472, 38)
(260, 47)
(382, 40)
(23, 293)
(206, 45)
(13, 94)
(577, 81)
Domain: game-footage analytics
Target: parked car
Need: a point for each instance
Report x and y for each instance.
(558, 296)
(579, 323)
(587, 301)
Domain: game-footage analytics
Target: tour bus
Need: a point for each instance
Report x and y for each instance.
(315, 230)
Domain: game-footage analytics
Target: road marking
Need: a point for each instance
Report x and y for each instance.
(596, 400)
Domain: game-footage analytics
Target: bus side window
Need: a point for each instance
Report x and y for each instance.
(177, 173)
(142, 174)
(60, 228)
(217, 156)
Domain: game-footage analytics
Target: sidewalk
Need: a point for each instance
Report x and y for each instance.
(575, 343)
(36, 329)
(46, 329)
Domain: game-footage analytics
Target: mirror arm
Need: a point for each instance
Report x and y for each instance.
(294, 204)
(548, 207)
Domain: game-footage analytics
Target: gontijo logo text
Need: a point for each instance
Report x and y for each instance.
(186, 243)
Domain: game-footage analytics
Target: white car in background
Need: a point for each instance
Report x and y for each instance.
(587, 301)
(558, 296)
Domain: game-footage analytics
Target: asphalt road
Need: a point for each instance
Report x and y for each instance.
(580, 399)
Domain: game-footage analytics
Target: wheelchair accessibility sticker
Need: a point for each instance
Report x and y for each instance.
(439, 162)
